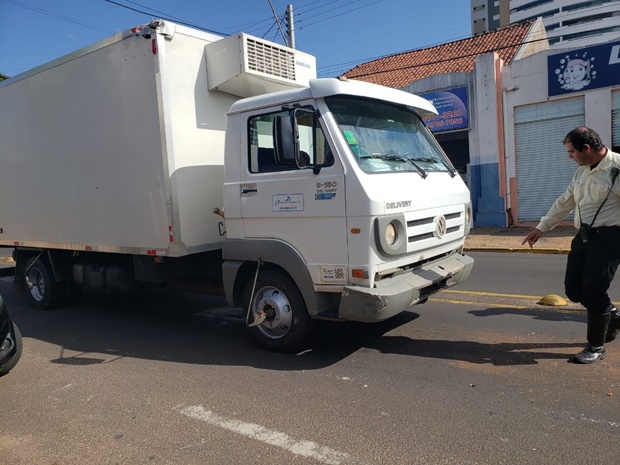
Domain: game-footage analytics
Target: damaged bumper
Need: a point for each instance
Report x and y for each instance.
(396, 294)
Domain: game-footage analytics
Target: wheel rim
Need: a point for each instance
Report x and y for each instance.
(36, 283)
(278, 325)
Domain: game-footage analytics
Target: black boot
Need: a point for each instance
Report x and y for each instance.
(590, 354)
(597, 331)
(614, 325)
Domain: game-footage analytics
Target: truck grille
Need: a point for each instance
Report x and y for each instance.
(271, 60)
(424, 231)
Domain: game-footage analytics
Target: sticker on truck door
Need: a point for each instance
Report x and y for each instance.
(333, 274)
(326, 190)
(288, 203)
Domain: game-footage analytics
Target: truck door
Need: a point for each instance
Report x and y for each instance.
(288, 202)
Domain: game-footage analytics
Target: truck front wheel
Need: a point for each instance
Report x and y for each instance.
(45, 291)
(287, 326)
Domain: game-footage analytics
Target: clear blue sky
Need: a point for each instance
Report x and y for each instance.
(340, 33)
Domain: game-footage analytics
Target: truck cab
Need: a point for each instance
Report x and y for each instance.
(340, 195)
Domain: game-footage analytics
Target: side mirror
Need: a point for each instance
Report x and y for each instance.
(302, 158)
(285, 139)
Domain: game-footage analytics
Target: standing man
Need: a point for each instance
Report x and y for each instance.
(594, 194)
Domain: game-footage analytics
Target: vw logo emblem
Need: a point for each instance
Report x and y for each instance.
(440, 226)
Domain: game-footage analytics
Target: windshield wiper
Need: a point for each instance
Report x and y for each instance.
(451, 170)
(420, 171)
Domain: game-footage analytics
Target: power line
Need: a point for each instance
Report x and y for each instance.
(55, 15)
(254, 23)
(303, 9)
(277, 21)
(167, 18)
(250, 24)
(339, 14)
(332, 9)
(153, 10)
(298, 9)
(311, 3)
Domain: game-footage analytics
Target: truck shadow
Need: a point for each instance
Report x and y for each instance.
(195, 329)
(174, 327)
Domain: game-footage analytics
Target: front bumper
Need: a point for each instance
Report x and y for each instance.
(396, 294)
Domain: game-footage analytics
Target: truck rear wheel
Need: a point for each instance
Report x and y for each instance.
(288, 325)
(45, 291)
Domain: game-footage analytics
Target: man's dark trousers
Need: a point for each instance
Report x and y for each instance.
(590, 270)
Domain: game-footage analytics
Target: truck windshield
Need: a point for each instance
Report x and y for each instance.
(386, 137)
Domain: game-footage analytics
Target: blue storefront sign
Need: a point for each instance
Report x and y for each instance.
(451, 104)
(584, 69)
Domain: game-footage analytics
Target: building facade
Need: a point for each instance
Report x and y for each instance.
(569, 23)
(544, 97)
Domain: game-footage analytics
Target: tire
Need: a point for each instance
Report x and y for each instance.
(12, 361)
(45, 292)
(290, 327)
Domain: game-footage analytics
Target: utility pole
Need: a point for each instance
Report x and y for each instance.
(290, 26)
(277, 20)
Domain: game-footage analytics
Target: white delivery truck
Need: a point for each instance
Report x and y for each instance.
(116, 161)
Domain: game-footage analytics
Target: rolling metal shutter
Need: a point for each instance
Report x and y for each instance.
(615, 118)
(543, 168)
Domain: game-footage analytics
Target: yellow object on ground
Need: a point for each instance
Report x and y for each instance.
(552, 300)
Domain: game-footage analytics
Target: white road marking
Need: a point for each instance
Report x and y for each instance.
(592, 420)
(268, 436)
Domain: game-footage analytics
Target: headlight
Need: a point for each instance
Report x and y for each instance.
(468, 218)
(391, 234)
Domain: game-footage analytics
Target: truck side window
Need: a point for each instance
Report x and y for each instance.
(261, 157)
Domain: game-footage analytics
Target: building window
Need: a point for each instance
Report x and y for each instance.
(587, 19)
(546, 14)
(529, 6)
(582, 5)
(580, 35)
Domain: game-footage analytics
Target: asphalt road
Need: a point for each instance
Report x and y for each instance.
(478, 375)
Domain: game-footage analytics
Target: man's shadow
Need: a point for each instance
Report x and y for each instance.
(377, 337)
(499, 354)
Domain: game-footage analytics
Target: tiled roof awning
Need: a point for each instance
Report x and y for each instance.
(401, 69)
